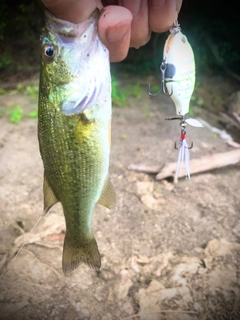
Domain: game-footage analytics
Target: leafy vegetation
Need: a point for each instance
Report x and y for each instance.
(33, 114)
(120, 92)
(20, 24)
(198, 101)
(118, 95)
(15, 113)
(5, 61)
(2, 91)
(30, 90)
(2, 113)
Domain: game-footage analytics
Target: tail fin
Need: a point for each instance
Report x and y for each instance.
(75, 253)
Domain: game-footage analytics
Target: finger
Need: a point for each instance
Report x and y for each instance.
(109, 2)
(140, 33)
(75, 11)
(162, 14)
(114, 29)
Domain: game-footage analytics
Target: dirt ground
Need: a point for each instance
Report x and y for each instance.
(171, 251)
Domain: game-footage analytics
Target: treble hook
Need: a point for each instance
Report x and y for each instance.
(163, 88)
(183, 125)
(185, 147)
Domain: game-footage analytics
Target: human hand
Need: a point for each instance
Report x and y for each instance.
(123, 23)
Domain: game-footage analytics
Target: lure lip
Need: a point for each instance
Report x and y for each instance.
(191, 121)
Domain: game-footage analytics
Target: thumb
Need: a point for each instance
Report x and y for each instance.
(114, 29)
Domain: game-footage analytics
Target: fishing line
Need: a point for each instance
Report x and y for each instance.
(21, 247)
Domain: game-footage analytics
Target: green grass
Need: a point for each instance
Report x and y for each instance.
(30, 90)
(15, 113)
(192, 112)
(120, 93)
(198, 101)
(2, 113)
(5, 61)
(123, 136)
(33, 114)
(2, 91)
(154, 89)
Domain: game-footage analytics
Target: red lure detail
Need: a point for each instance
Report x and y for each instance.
(183, 136)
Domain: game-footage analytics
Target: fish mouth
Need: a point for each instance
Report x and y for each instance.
(69, 29)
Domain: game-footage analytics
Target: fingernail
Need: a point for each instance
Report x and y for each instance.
(116, 33)
(158, 4)
(133, 6)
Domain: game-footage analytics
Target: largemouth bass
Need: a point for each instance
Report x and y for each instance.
(74, 131)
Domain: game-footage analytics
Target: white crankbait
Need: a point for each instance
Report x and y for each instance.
(178, 70)
(178, 80)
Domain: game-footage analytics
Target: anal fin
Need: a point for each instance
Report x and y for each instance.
(108, 196)
(49, 196)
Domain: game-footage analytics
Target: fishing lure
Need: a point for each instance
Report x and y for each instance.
(183, 154)
(178, 80)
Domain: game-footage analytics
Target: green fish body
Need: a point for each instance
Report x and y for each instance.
(74, 131)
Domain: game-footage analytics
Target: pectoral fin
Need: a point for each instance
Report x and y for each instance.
(108, 196)
(49, 196)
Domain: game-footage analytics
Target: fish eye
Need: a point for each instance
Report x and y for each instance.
(49, 52)
(183, 39)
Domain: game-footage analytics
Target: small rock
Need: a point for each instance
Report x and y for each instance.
(236, 229)
(107, 317)
(106, 274)
(151, 300)
(134, 264)
(151, 202)
(163, 260)
(85, 313)
(144, 187)
(219, 248)
(78, 308)
(111, 294)
(124, 274)
(100, 293)
(143, 259)
(122, 289)
(128, 308)
(167, 185)
(197, 307)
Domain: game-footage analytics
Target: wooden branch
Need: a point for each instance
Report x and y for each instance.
(145, 169)
(236, 116)
(206, 163)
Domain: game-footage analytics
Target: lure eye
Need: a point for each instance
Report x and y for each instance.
(49, 52)
(183, 39)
